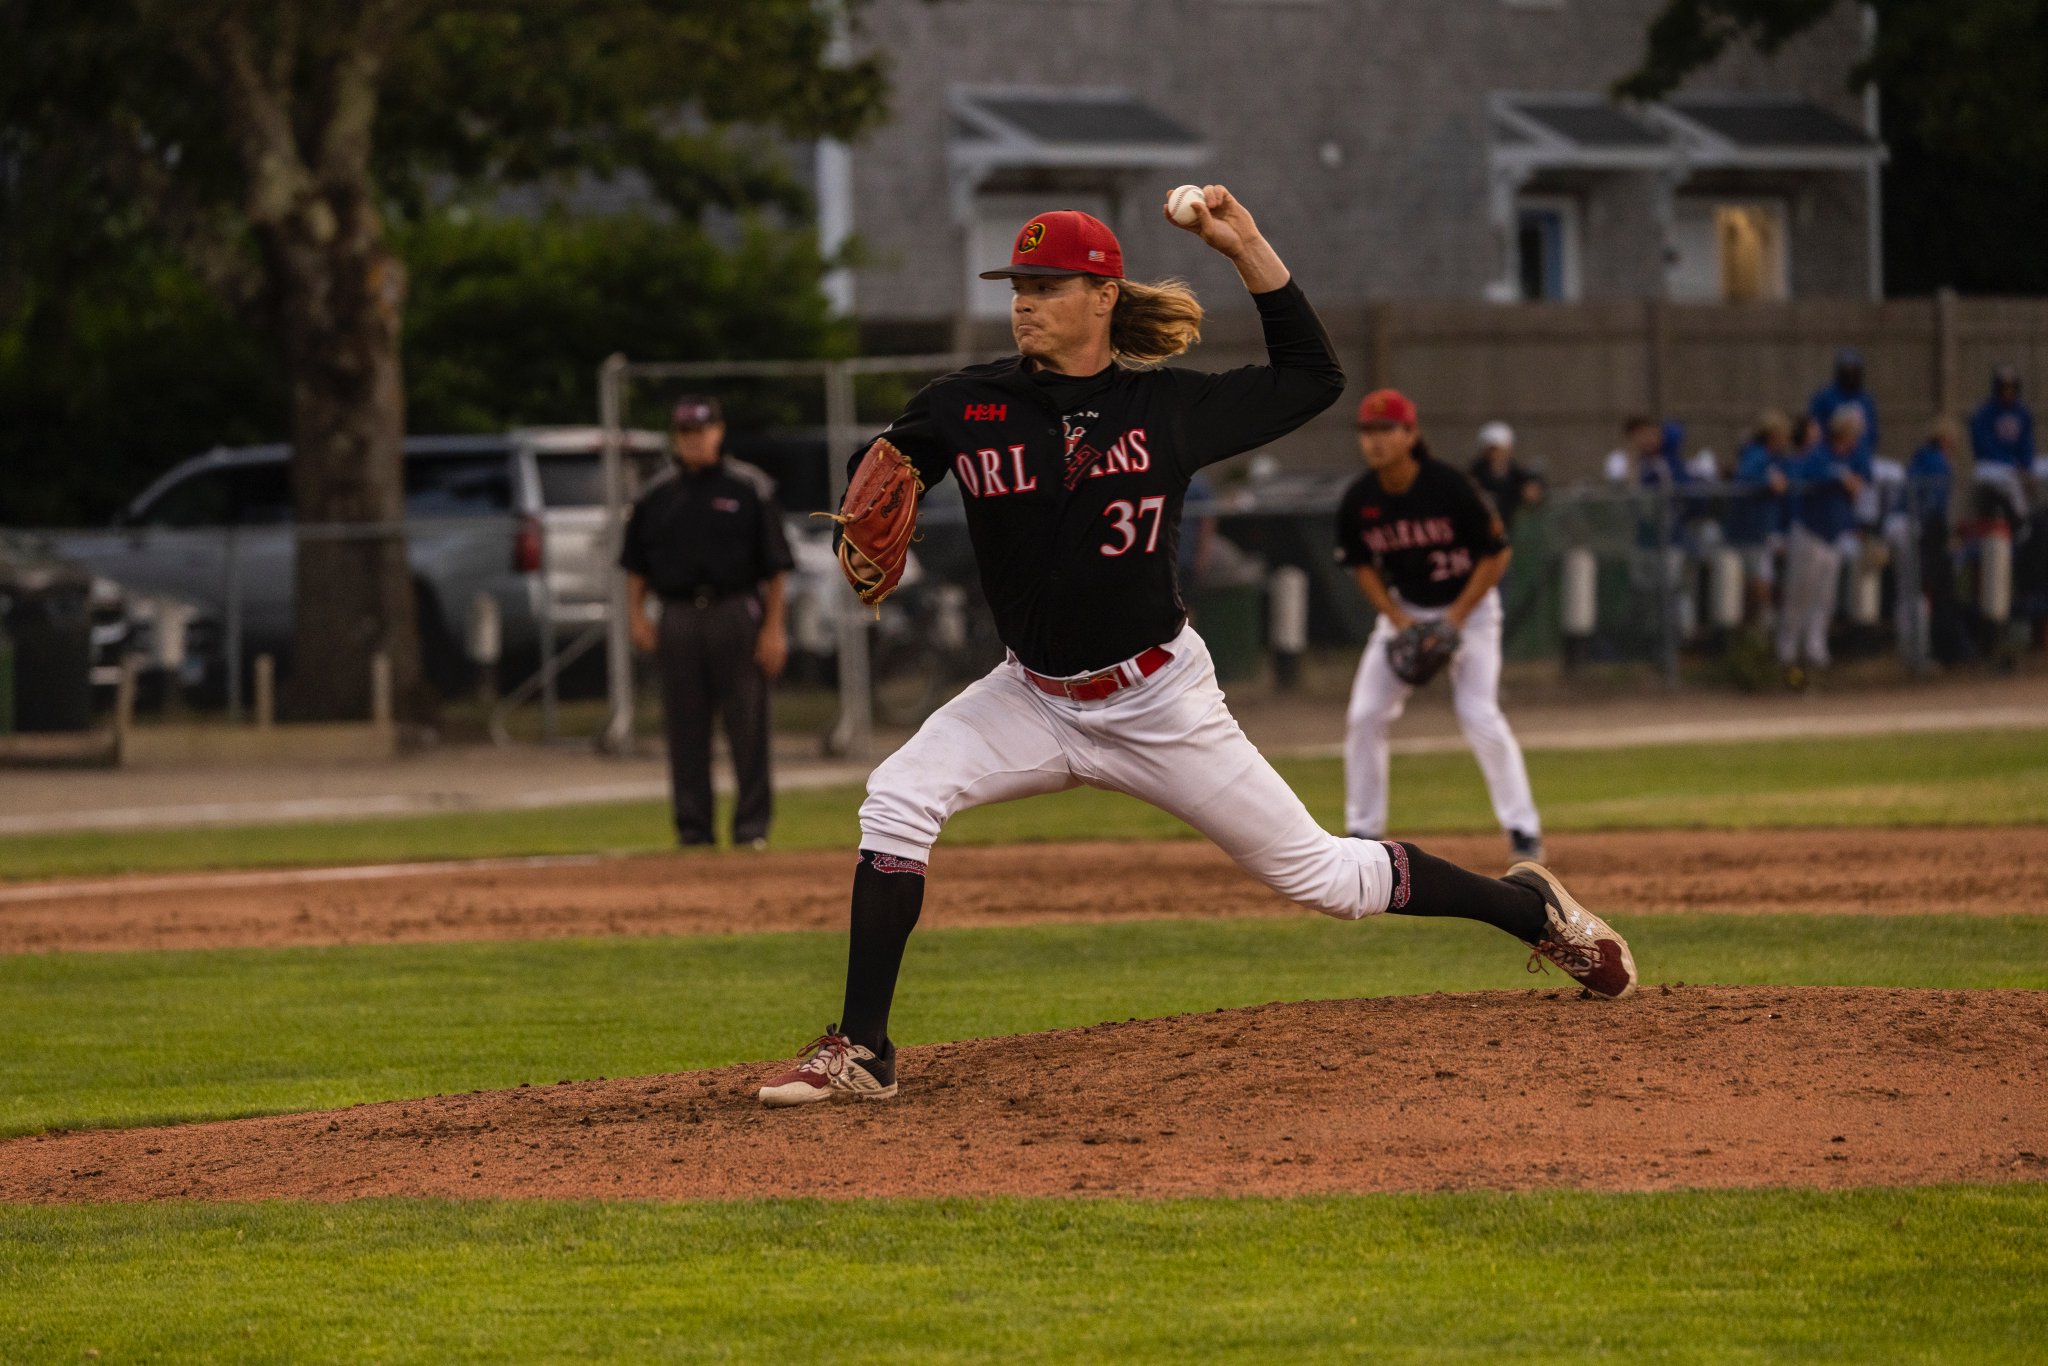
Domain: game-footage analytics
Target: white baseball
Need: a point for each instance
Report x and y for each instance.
(1180, 205)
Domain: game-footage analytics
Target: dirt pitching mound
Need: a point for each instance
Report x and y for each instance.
(1689, 1086)
(1821, 872)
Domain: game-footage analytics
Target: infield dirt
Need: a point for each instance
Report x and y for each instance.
(1678, 1086)
(1687, 1086)
(1991, 871)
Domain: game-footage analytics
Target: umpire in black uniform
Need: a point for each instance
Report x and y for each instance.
(708, 541)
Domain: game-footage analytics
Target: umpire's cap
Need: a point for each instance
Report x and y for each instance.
(694, 412)
(1063, 242)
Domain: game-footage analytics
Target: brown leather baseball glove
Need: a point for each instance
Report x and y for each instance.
(877, 521)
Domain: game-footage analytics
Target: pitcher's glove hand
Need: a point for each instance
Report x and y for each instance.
(1421, 650)
(877, 521)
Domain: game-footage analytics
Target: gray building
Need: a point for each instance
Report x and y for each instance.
(1392, 149)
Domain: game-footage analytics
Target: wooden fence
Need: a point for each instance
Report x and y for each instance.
(1565, 375)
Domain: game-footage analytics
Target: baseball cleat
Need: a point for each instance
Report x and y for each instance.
(1578, 941)
(1526, 847)
(834, 1067)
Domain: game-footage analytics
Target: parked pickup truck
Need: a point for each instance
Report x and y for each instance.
(517, 516)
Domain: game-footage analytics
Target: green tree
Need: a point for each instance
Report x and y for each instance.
(1964, 86)
(510, 317)
(268, 142)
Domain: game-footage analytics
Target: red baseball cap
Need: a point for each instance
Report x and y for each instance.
(1388, 407)
(1063, 242)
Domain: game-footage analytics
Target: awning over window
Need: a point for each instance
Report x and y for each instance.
(1577, 131)
(1766, 134)
(1589, 125)
(1063, 128)
(992, 129)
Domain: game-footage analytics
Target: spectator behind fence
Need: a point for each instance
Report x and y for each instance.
(1928, 476)
(1508, 484)
(2002, 440)
(1665, 464)
(1805, 434)
(1826, 482)
(1847, 391)
(1639, 438)
(1758, 513)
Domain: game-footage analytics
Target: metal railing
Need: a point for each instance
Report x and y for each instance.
(1650, 576)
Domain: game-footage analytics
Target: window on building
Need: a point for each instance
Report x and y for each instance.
(1547, 250)
(1728, 251)
(1752, 251)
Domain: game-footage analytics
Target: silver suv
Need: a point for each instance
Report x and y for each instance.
(518, 517)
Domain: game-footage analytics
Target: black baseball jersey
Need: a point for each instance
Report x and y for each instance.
(1073, 485)
(715, 531)
(1425, 541)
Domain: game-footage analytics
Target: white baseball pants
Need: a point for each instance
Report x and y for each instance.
(1170, 741)
(1378, 697)
(1813, 580)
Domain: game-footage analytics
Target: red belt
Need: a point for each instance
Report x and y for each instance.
(1095, 687)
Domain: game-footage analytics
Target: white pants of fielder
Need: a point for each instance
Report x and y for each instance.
(1378, 697)
(1169, 740)
(1813, 581)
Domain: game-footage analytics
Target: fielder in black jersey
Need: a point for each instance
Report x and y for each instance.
(1425, 543)
(1074, 459)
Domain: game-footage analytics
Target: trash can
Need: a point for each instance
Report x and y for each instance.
(51, 629)
(1228, 617)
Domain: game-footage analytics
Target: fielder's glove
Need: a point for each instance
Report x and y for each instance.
(877, 521)
(1420, 651)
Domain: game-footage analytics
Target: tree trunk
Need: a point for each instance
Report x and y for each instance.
(339, 315)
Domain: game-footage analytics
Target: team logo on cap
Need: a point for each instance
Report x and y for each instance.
(1028, 240)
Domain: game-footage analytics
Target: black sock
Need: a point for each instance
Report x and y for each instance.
(888, 893)
(1426, 885)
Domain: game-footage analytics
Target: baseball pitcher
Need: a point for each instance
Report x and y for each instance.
(1073, 458)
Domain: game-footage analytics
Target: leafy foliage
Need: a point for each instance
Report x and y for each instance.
(139, 365)
(117, 122)
(510, 318)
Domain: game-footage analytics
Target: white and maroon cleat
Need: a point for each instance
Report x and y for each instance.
(834, 1067)
(1581, 943)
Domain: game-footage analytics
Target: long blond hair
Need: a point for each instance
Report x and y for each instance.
(1151, 324)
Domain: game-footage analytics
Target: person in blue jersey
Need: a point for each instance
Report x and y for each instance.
(2002, 441)
(1928, 484)
(1758, 514)
(1847, 390)
(1825, 484)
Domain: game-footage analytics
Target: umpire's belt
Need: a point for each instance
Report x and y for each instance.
(703, 597)
(1095, 687)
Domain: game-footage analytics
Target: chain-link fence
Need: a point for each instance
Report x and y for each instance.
(515, 587)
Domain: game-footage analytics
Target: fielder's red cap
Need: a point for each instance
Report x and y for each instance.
(1064, 242)
(1386, 407)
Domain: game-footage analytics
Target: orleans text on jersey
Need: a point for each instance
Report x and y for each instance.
(1425, 540)
(1073, 485)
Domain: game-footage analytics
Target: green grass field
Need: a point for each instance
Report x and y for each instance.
(1970, 778)
(1946, 1274)
(1934, 1275)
